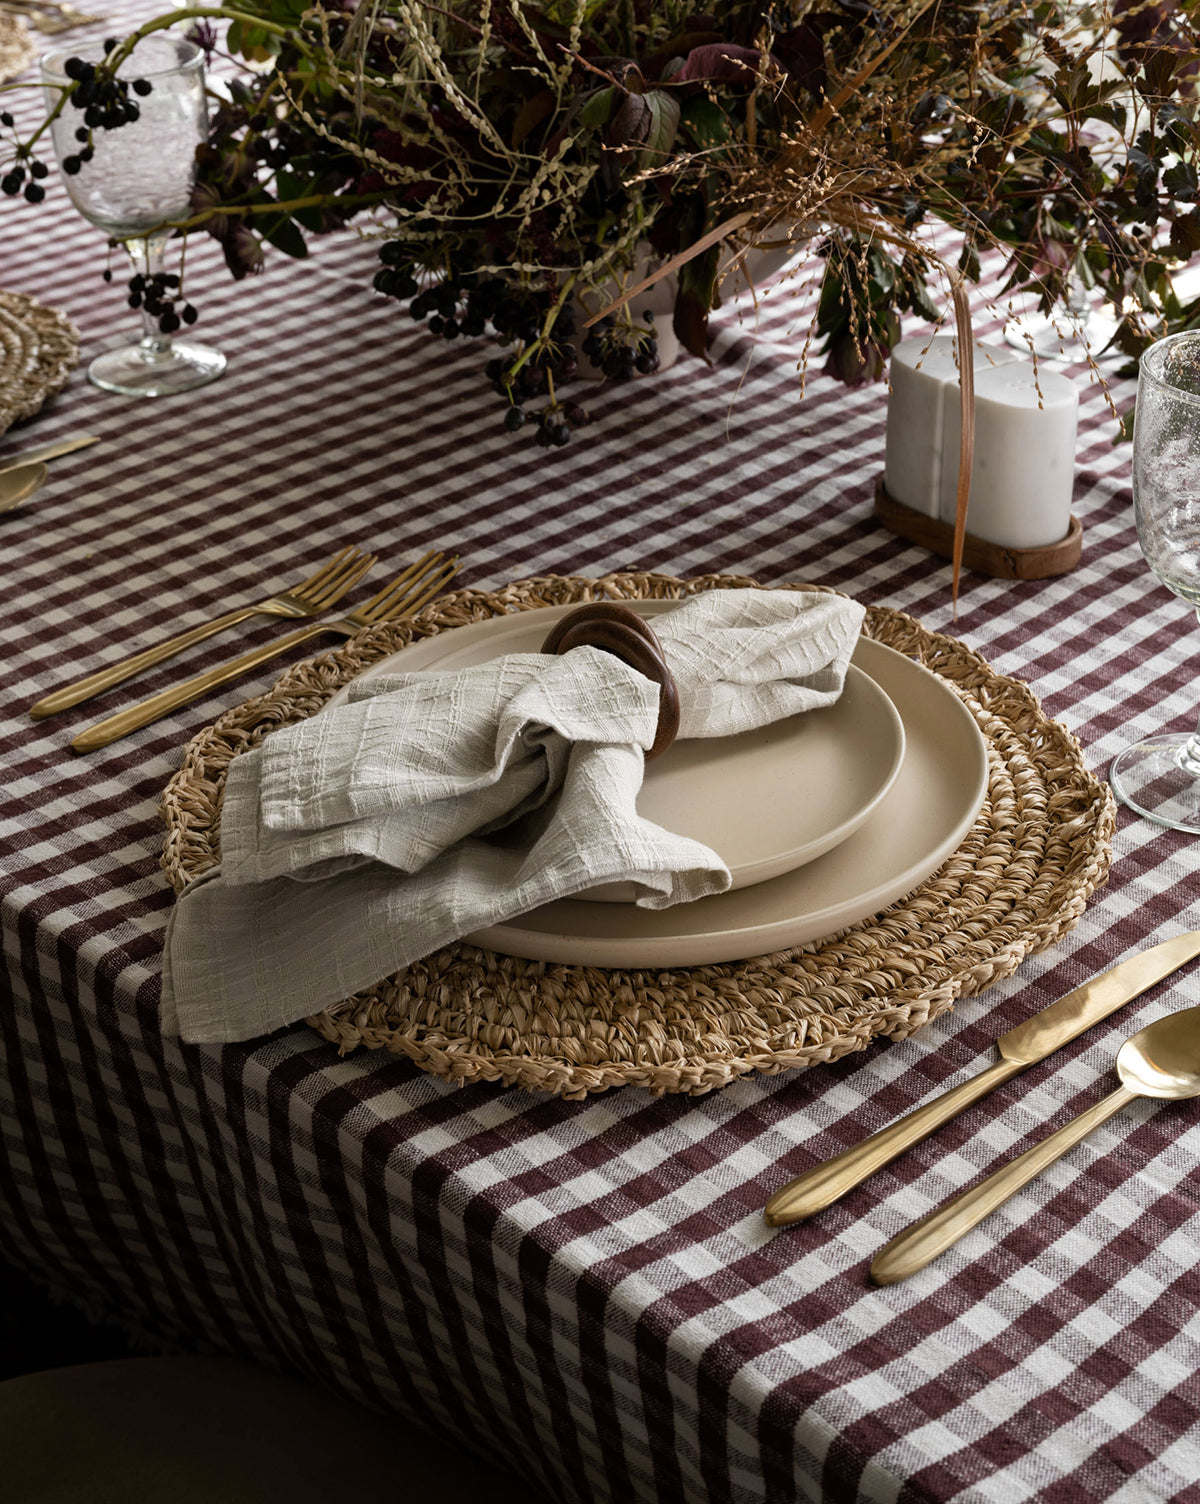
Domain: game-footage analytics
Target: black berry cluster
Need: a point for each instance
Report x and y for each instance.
(274, 151)
(26, 173)
(620, 351)
(72, 163)
(161, 297)
(104, 98)
(471, 305)
(14, 181)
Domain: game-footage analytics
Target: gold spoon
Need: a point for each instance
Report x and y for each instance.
(18, 485)
(1161, 1060)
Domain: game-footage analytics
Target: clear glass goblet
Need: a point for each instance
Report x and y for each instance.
(1160, 777)
(139, 178)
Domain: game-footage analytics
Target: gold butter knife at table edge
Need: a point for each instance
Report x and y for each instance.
(1019, 1048)
(48, 452)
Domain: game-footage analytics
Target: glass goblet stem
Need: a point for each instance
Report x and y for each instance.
(158, 364)
(1189, 754)
(146, 258)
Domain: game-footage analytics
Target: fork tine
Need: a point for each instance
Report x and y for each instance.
(417, 593)
(440, 581)
(376, 602)
(315, 581)
(401, 588)
(346, 577)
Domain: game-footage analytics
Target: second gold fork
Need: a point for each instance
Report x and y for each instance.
(407, 593)
(310, 598)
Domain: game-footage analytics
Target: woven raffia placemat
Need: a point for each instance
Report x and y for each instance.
(39, 348)
(1039, 848)
(18, 50)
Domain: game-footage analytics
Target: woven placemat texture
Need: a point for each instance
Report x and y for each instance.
(39, 348)
(1040, 847)
(18, 50)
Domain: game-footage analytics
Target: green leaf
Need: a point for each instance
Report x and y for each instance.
(664, 126)
(254, 44)
(705, 122)
(289, 186)
(695, 300)
(923, 304)
(830, 303)
(883, 275)
(596, 109)
(283, 234)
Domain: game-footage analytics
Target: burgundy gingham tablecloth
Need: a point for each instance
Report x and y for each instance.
(584, 1291)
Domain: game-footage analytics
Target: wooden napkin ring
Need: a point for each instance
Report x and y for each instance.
(616, 629)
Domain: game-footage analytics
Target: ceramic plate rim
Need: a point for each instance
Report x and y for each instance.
(739, 943)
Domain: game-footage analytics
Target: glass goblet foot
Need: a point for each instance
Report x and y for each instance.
(1160, 779)
(156, 368)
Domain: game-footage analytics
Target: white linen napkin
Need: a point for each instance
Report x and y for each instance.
(358, 841)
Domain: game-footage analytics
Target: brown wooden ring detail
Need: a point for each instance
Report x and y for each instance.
(606, 611)
(613, 630)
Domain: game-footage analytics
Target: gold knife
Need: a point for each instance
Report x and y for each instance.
(48, 452)
(1020, 1048)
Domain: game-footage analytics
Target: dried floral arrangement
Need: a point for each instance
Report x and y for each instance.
(529, 167)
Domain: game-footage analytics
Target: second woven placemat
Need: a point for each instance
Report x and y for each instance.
(39, 348)
(18, 50)
(1039, 848)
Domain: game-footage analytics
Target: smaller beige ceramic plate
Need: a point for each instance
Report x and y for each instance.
(767, 801)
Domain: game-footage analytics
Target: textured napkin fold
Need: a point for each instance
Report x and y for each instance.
(433, 804)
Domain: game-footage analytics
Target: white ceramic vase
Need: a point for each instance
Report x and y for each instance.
(759, 266)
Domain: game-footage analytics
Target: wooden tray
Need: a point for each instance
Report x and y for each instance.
(978, 554)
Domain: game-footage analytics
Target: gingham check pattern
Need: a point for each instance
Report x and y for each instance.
(585, 1291)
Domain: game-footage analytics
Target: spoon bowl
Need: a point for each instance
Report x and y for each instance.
(19, 484)
(1163, 1059)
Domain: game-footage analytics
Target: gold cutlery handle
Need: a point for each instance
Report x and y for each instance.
(137, 716)
(921, 1243)
(46, 451)
(105, 678)
(826, 1183)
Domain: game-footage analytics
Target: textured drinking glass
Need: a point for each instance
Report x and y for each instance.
(139, 179)
(1160, 777)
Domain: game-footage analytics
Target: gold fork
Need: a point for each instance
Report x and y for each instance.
(407, 593)
(310, 598)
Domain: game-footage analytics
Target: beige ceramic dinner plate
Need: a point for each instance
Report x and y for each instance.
(919, 823)
(767, 801)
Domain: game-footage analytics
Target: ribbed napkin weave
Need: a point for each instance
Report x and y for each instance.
(358, 841)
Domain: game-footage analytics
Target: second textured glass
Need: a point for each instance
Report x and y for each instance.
(139, 178)
(1160, 777)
